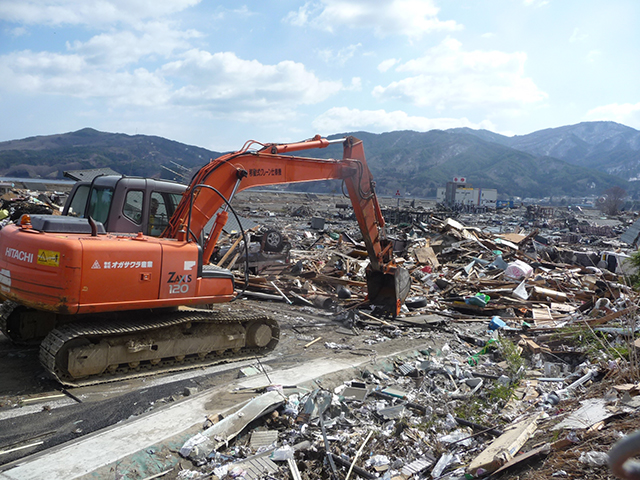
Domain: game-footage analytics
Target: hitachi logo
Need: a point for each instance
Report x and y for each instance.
(19, 255)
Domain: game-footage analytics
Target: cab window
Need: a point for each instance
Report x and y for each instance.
(174, 198)
(79, 201)
(158, 214)
(100, 203)
(132, 208)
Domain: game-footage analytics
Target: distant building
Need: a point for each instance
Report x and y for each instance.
(462, 193)
(5, 187)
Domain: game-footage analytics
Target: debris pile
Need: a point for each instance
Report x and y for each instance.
(436, 414)
(19, 202)
(530, 358)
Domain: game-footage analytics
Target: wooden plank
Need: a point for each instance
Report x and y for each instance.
(627, 387)
(543, 293)
(544, 449)
(530, 345)
(233, 261)
(317, 339)
(426, 255)
(541, 313)
(365, 314)
(562, 307)
(501, 242)
(503, 448)
(231, 249)
(611, 316)
(356, 253)
(512, 237)
(335, 280)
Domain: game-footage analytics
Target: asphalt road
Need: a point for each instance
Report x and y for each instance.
(37, 413)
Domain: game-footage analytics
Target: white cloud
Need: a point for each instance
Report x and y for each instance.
(412, 18)
(125, 47)
(576, 36)
(71, 75)
(535, 3)
(222, 13)
(88, 12)
(387, 64)
(594, 55)
(341, 119)
(341, 56)
(625, 113)
(448, 76)
(301, 17)
(244, 11)
(223, 77)
(201, 81)
(17, 31)
(282, 116)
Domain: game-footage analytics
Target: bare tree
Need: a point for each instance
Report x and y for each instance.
(613, 199)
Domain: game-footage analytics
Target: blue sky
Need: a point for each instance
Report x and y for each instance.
(217, 73)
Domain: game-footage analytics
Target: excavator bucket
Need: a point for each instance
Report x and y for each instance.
(388, 290)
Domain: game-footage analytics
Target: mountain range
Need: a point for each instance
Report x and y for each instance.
(142, 155)
(576, 160)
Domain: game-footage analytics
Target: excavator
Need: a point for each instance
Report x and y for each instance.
(120, 285)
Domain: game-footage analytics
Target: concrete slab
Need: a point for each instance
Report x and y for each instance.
(105, 450)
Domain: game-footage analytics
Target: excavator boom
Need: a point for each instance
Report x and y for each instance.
(216, 183)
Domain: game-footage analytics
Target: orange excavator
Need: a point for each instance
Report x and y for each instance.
(99, 287)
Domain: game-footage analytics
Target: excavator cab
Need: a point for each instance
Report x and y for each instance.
(126, 204)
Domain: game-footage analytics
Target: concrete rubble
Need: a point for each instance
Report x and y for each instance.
(536, 374)
(542, 360)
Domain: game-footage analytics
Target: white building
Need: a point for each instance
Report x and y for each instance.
(462, 193)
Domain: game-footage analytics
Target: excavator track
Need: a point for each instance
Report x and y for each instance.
(24, 326)
(90, 353)
(6, 309)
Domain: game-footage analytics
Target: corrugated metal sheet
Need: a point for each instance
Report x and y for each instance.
(631, 235)
(263, 438)
(407, 368)
(256, 468)
(232, 225)
(417, 466)
(89, 174)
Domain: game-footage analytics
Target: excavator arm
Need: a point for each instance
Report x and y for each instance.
(215, 184)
